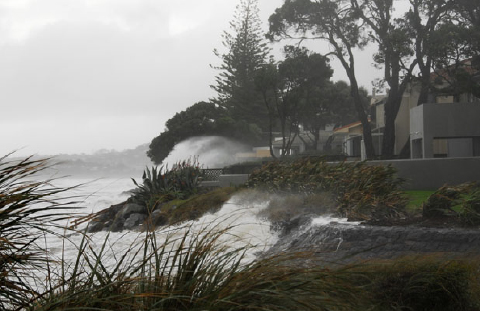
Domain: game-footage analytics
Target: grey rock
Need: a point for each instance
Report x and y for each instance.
(134, 220)
(132, 208)
(95, 226)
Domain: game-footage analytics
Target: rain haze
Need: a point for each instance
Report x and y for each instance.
(77, 76)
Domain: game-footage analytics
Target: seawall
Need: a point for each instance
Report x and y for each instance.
(431, 174)
(339, 243)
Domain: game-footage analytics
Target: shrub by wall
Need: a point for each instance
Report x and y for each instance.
(361, 191)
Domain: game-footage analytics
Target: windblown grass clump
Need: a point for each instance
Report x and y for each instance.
(27, 208)
(461, 202)
(361, 191)
(424, 283)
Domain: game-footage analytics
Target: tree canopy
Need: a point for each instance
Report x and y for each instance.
(334, 22)
(404, 43)
(290, 90)
(247, 50)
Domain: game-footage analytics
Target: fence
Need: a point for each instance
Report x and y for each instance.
(211, 174)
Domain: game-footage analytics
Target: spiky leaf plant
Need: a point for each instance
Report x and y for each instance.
(163, 184)
(27, 208)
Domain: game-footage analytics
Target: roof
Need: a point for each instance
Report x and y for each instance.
(347, 127)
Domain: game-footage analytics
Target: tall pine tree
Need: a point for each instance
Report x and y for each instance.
(247, 50)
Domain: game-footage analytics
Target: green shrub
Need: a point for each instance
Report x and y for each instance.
(361, 191)
(161, 185)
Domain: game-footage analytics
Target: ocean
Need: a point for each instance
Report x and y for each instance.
(239, 215)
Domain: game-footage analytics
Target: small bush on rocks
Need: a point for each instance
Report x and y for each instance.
(470, 214)
(461, 201)
(161, 185)
(440, 203)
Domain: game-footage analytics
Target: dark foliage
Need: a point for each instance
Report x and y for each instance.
(361, 191)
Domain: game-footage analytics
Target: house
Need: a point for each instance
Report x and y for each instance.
(303, 141)
(351, 136)
(446, 126)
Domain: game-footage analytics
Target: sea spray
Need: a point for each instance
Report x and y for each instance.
(242, 219)
(238, 218)
(212, 151)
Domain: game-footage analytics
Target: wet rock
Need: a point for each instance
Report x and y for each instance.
(95, 226)
(132, 208)
(134, 220)
(340, 243)
(295, 223)
(117, 224)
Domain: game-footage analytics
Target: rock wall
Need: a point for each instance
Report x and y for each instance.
(340, 243)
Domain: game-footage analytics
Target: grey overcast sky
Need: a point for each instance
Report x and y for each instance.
(77, 76)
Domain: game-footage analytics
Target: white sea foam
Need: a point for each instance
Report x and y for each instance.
(238, 215)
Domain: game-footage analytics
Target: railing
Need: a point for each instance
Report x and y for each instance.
(211, 174)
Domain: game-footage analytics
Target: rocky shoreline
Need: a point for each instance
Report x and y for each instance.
(344, 243)
(331, 243)
(125, 216)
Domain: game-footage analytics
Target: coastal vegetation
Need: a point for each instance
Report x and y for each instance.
(197, 271)
(360, 191)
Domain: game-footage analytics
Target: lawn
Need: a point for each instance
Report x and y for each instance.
(416, 199)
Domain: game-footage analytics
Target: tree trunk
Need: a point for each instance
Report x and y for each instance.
(367, 128)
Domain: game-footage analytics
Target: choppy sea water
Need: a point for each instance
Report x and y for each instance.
(239, 215)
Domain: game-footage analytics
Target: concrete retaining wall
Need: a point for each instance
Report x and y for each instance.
(430, 174)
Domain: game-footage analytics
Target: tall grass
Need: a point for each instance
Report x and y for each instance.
(28, 209)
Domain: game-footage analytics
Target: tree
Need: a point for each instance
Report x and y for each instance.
(336, 23)
(393, 38)
(288, 87)
(197, 120)
(247, 51)
(266, 81)
(200, 119)
(331, 104)
(403, 43)
(310, 74)
(454, 51)
(424, 18)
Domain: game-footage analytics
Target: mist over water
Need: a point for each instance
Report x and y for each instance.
(212, 151)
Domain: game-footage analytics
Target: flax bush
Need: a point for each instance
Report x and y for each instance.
(163, 184)
(361, 191)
